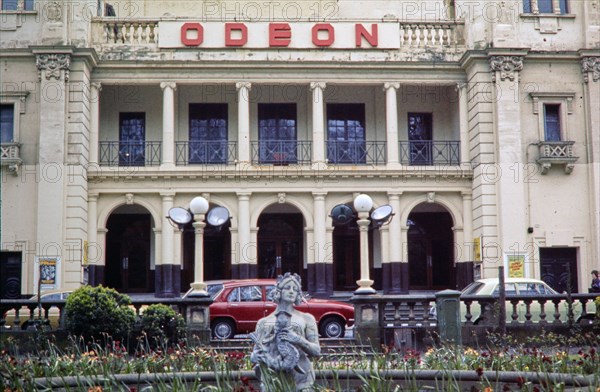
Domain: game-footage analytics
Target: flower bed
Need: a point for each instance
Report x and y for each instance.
(540, 364)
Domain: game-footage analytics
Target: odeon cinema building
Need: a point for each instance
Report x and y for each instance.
(476, 125)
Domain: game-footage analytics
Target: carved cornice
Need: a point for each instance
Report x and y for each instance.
(507, 66)
(53, 64)
(590, 65)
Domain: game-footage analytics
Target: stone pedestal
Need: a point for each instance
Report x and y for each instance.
(366, 318)
(198, 318)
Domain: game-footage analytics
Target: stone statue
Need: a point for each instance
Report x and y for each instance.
(284, 340)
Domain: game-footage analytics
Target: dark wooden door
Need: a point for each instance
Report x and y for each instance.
(430, 252)
(280, 239)
(128, 253)
(10, 275)
(558, 266)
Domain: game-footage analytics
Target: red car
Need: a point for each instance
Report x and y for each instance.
(239, 304)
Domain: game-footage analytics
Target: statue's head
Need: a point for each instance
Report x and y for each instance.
(282, 281)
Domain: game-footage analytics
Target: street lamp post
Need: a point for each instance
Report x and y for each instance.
(199, 208)
(363, 205)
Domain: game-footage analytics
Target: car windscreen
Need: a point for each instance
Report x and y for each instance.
(472, 289)
(214, 289)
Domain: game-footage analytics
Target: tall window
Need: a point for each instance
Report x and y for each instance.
(208, 133)
(132, 139)
(13, 5)
(7, 123)
(420, 132)
(552, 122)
(277, 133)
(544, 6)
(346, 133)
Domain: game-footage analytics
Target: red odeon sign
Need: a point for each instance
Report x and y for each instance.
(278, 35)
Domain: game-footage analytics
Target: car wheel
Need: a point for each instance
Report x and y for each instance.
(223, 329)
(332, 327)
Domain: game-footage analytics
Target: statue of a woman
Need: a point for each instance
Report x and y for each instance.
(284, 340)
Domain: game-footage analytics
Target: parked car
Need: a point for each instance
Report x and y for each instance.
(239, 304)
(518, 287)
(24, 313)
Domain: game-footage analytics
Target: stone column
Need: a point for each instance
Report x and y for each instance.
(318, 121)
(95, 262)
(391, 122)
(95, 89)
(168, 142)
(396, 271)
(243, 265)
(511, 196)
(464, 266)
(463, 111)
(590, 67)
(168, 274)
(51, 209)
(320, 271)
(243, 90)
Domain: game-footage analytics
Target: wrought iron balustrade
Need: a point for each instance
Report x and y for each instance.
(281, 152)
(358, 152)
(430, 152)
(205, 152)
(134, 153)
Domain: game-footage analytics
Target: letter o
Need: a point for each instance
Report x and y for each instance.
(192, 27)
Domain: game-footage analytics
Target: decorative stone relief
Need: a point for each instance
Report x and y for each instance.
(52, 64)
(281, 197)
(590, 65)
(430, 197)
(129, 198)
(507, 66)
(53, 11)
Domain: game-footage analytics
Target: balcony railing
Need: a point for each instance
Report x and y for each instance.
(10, 156)
(556, 153)
(205, 152)
(136, 32)
(281, 152)
(431, 34)
(130, 153)
(430, 152)
(356, 152)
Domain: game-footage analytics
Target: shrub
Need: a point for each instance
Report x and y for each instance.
(160, 323)
(94, 311)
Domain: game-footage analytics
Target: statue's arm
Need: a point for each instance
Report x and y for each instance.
(310, 343)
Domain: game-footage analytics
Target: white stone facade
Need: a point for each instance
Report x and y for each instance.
(490, 77)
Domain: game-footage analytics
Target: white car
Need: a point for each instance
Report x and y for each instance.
(554, 304)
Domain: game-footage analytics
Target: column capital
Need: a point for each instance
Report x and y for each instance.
(590, 64)
(93, 196)
(466, 194)
(461, 85)
(96, 85)
(167, 195)
(508, 66)
(243, 85)
(243, 195)
(53, 64)
(394, 194)
(319, 195)
(389, 85)
(315, 85)
(171, 85)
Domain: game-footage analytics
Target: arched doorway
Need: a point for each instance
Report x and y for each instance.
(217, 253)
(430, 248)
(129, 250)
(280, 241)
